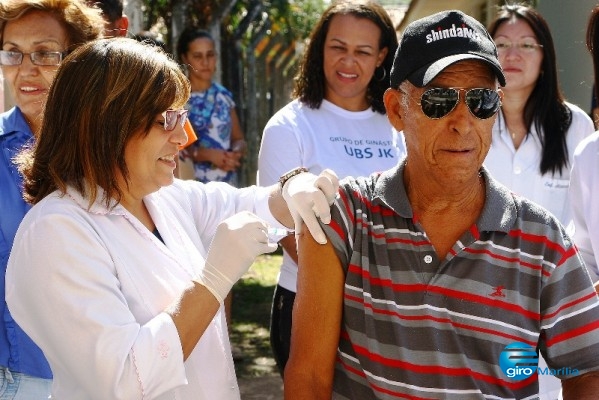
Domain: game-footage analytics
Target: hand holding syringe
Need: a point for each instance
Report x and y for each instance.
(276, 234)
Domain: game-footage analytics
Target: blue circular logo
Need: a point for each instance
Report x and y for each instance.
(518, 361)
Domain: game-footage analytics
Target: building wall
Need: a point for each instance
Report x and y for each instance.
(568, 23)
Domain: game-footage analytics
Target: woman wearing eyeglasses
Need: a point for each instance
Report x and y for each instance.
(119, 271)
(35, 35)
(537, 130)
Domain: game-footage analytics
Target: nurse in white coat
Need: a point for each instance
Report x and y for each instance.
(119, 270)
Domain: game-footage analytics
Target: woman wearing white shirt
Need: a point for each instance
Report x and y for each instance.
(119, 271)
(336, 121)
(536, 131)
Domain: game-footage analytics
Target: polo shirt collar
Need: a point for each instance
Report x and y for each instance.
(499, 212)
(13, 121)
(99, 205)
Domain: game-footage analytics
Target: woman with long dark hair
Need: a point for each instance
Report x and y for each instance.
(537, 130)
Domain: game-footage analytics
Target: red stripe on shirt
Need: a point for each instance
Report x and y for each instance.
(398, 287)
(508, 259)
(439, 320)
(573, 333)
(537, 239)
(439, 370)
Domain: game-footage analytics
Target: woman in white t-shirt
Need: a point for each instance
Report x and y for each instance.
(336, 121)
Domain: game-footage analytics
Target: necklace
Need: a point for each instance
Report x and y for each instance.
(517, 137)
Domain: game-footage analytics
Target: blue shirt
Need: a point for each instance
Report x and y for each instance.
(210, 116)
(17, 350)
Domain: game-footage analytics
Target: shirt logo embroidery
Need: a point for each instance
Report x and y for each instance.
(498, 291)
(164, 349)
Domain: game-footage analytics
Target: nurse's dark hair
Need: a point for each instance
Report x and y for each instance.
(105, 93)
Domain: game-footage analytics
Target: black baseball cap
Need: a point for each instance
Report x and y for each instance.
(431, 44)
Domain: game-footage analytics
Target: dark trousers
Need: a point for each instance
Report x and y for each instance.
(280, 325)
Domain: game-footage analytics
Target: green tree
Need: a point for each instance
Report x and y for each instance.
(260, 38)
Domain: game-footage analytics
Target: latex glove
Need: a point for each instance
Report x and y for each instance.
(308, 198)
(237, 242)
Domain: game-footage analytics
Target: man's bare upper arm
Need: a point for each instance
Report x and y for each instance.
(316, 319)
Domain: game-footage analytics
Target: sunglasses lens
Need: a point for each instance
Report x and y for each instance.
(183, 115)
(172, 116)
(483, 103)
(170, 119)
(438, 102)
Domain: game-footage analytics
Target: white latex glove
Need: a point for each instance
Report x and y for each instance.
(308, 198)
(237, 242)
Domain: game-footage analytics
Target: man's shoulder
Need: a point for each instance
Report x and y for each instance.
(361, 184)
(362, 189)
(530, 218)
(507, 211)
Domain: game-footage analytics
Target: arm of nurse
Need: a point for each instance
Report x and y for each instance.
(316, 322)
(308, 198)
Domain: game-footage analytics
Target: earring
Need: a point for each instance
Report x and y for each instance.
(382, 77)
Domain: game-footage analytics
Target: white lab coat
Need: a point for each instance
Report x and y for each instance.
(89, 287)
(518, 169)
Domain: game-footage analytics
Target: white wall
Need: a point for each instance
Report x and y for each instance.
(568, 22)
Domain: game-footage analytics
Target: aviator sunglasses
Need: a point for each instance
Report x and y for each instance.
(172, 116)
(438, 102)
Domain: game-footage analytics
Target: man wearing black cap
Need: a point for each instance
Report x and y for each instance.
(437, 282)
